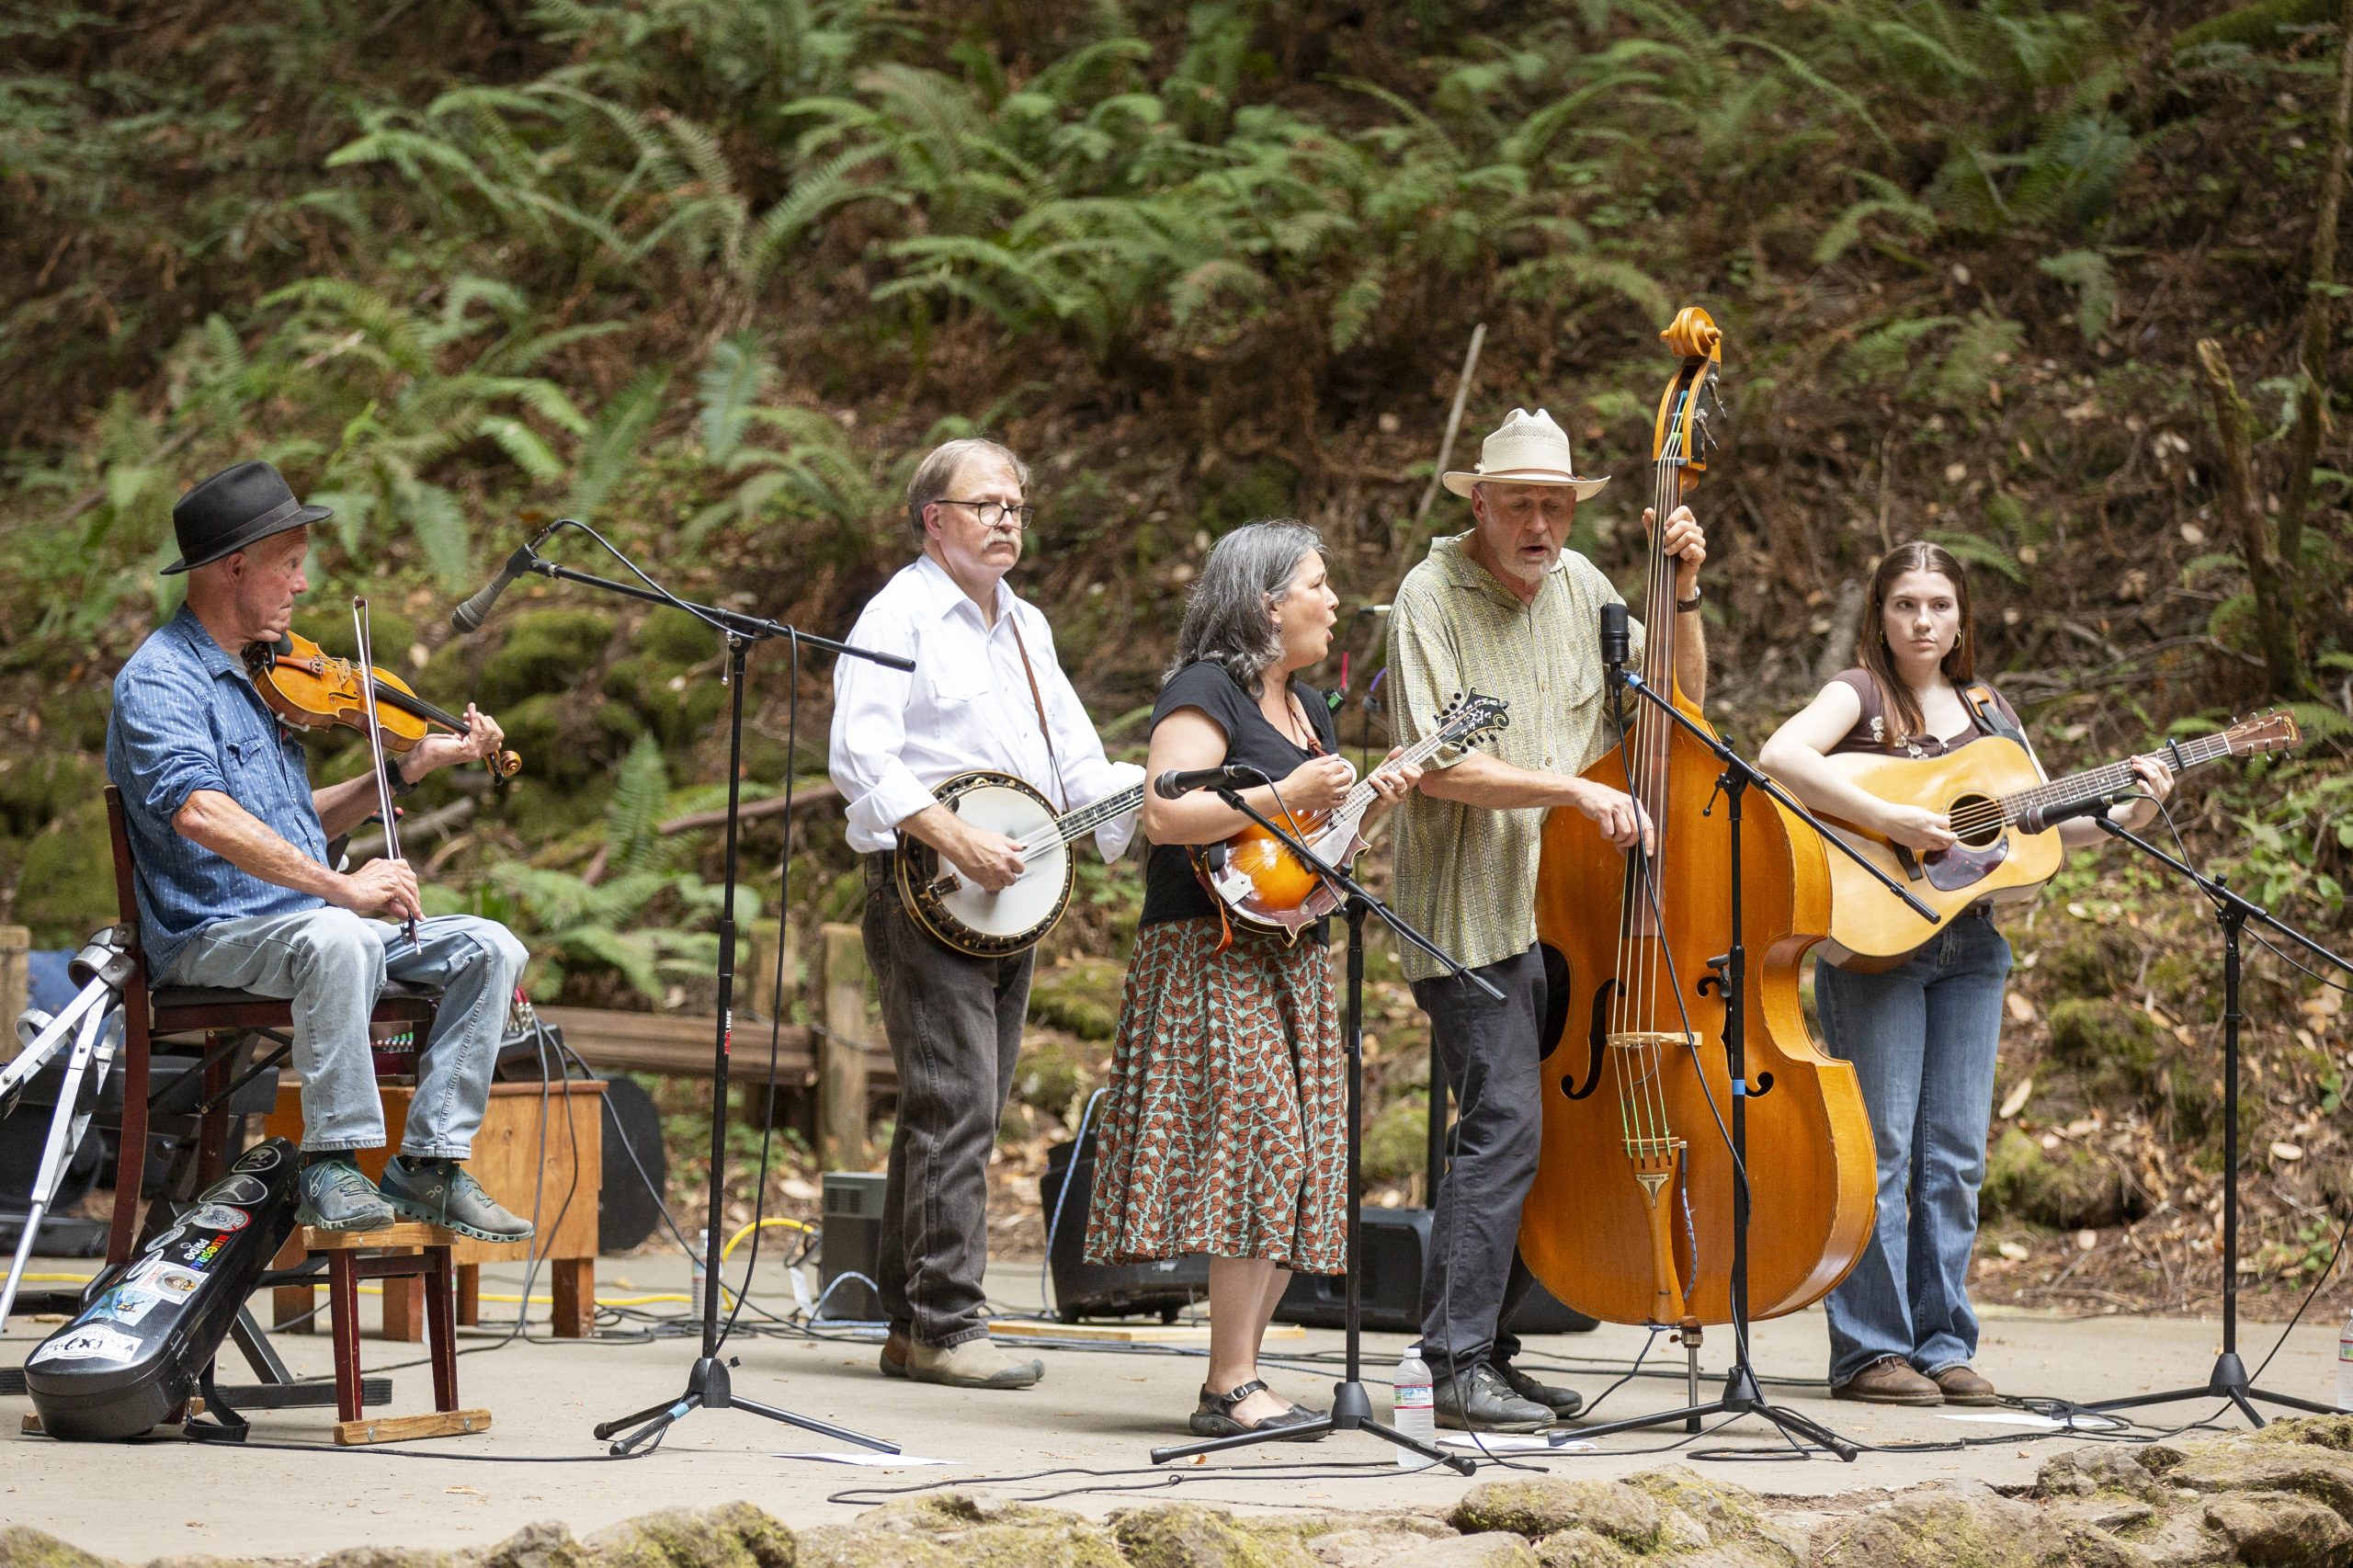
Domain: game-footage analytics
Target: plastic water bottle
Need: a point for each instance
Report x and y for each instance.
(1411, 1410)
(2344, 1366)
(702, 1250)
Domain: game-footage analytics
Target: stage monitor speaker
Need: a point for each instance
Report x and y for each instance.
(1083, 1290)
(1396, 1242)
(851, 1243)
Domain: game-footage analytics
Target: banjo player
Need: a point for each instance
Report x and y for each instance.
(987, 693)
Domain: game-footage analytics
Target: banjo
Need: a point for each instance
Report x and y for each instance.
(970, 918)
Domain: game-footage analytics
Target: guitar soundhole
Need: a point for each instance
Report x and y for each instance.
(1977, 820)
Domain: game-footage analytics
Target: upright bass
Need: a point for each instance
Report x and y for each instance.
(1631, 1217)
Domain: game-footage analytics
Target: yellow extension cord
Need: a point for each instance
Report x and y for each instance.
(536, 1301)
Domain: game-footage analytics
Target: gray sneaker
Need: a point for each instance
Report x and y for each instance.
(337, 1197)
(442, 1192)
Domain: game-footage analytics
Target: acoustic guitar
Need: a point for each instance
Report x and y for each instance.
(1266, 885)
(966, 916)
(1996, 802)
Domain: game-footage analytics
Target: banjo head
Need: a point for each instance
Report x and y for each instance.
(968, 917)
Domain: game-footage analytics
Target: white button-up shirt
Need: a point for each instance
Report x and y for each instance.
(896, 736)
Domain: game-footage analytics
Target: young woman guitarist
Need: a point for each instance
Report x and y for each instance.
(1222, 1133)
(1922, 1035)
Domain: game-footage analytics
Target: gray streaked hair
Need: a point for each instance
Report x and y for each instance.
(943, 462)
(1229, 619)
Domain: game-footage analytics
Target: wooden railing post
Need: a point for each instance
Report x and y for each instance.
(842, 1051)
(15, 983)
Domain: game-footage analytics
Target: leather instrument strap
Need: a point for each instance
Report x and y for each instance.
(1045, 729)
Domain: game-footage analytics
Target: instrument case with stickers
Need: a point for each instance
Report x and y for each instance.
(134, 1354)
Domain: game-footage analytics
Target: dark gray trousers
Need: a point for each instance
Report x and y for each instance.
(955, 1028)
(1474, 1279)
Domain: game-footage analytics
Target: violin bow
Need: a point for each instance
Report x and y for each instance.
(376, 746)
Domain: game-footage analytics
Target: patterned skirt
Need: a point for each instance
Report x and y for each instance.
(1224, 1131)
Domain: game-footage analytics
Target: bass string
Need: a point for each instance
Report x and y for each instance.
(1643, 1101)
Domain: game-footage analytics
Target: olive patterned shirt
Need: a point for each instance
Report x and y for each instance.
(1466, 875)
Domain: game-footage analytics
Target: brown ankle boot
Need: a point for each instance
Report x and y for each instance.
(1962, 1384)
(1889, 1381)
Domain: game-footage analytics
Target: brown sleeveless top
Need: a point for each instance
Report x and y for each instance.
(1870, 733)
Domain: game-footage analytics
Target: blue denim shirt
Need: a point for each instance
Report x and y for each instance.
(187, 718)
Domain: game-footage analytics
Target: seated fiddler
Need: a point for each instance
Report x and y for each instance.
(235, 890)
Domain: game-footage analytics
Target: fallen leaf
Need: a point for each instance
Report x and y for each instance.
(2021, 1009)
(2015, 1251)
(801, 1191)
(2015, 1100)
(2282, 1150)
(2086, 1240)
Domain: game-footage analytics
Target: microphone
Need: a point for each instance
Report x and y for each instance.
(1184, 781)
(471, 614)
(1617, 646)
(2037, 819)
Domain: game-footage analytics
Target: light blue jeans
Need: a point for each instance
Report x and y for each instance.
(1922, 1037)
(332, 964)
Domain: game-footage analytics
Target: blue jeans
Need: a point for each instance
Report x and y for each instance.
(1922, 1037)
(332, 964)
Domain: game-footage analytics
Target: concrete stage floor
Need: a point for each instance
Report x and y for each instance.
(1093, 1410)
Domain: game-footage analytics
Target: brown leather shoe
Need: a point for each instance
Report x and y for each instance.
(1889, 1381)
(1965, 1385)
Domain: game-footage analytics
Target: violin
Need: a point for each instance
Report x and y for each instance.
(310, 689)
(1630, 1220)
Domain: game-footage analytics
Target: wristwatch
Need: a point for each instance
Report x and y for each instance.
(1687, 605)
(394, 780)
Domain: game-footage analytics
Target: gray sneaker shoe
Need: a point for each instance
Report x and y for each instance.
(442, 1192)
(337, 1197)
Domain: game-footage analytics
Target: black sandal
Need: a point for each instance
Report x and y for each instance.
(1215, 1417)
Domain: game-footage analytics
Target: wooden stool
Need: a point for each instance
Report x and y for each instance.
(404, 1252)
(513, 1167)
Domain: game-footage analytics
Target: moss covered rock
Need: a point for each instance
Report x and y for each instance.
(1082, 996)
(674, 637)
(66, 889)
(1396, 1141)
(22, 1547)
(545, 651)
(1947, 1530)
(1492, 1549)
(2070, 1188)
(328, 624)
(37, 788)
(1618, 1510)
(1186, 1535)
(2091, 961)
(1056, 1074)
(735, 1536)
(2112, 1046)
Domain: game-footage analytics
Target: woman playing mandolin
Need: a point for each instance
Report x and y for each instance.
(1223, 1129)
(1922, 1034)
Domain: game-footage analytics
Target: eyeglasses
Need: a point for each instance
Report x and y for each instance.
(991, 513)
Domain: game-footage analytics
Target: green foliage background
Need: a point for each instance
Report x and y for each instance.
(711, 274)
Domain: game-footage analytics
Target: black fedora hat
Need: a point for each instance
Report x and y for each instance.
(236, 508)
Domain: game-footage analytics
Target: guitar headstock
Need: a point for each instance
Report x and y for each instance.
(2267, 732)
(1468, 720)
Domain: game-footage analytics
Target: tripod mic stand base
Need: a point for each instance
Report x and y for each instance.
(708, 1387)
(2228, 1380)
(1351, 1412)
(1742, 1396)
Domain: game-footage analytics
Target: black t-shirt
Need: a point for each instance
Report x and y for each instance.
(1171, 892)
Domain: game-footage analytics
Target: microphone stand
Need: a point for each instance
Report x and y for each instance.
(2229, 1378)
(1742, 1394)
(1351, 1404)
(706, 1382)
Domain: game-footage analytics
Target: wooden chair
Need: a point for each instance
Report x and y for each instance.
(149, 1015)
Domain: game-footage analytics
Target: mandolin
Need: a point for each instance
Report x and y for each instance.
(1993, 794)
(966, 916)
(1264, 884)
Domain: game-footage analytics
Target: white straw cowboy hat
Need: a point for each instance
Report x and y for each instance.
(1527, 448)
